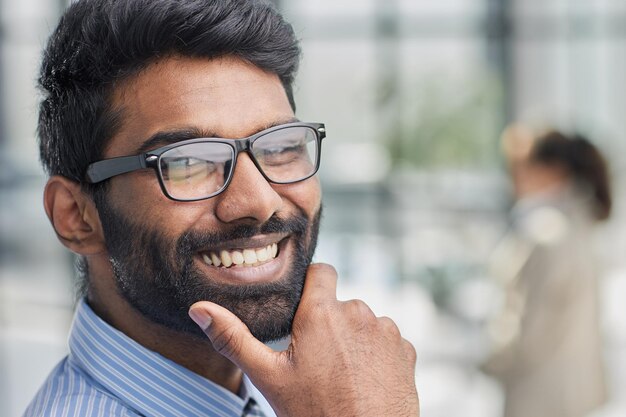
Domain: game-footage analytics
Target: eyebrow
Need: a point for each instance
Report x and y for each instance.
(172, 136)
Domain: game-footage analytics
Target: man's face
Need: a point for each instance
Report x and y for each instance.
(159, 247)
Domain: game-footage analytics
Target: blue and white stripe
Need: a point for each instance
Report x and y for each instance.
(109, 374)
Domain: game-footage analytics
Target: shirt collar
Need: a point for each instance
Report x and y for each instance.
(143, 380)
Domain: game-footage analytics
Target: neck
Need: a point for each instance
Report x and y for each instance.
(195, 354)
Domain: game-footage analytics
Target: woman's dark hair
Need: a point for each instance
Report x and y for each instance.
(101, 42)
(583, 162)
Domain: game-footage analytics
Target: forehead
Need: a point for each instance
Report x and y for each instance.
(226, 97)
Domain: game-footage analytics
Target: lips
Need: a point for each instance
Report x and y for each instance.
(261, 258)
(245, 252)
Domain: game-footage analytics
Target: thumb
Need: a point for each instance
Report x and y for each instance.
(231, 338)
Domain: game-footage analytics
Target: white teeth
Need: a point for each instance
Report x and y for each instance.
(216, 259)
(226, 259)
(237, 257)
(249, 256)
(261, 255)
(245, 257)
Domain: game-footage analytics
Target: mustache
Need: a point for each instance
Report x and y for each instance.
(193, 240)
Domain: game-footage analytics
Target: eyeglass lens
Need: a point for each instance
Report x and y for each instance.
(199, 170)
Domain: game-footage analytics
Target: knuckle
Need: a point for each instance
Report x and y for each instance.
(359, 310)
(362, 308)
(389, 326)
(410, 351)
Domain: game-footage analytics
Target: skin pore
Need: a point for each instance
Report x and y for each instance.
(224, 97)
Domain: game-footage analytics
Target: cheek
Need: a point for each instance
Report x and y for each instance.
(306, 195)
(142, 199)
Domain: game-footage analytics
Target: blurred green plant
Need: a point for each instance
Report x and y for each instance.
(448, 123)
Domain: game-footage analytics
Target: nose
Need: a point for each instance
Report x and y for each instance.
(249, 196)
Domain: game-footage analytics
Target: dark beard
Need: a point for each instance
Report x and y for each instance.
(158, 278)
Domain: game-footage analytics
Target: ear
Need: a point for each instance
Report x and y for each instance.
(74, 216)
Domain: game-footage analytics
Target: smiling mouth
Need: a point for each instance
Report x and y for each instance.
(241, 257)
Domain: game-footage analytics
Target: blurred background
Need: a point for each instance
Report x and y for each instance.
(415, 95)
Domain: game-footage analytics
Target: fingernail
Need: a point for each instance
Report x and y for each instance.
(201, 317)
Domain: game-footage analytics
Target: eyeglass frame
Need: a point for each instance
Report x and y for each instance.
(108, 168)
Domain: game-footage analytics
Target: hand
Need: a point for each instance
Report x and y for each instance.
(342, 360)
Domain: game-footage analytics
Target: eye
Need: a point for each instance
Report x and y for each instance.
(186, 168)
(282, 156)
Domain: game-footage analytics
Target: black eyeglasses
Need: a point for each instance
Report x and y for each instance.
(197, 169)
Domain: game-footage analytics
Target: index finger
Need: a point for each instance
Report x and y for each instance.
(320, 283)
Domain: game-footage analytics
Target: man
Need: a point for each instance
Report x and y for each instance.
(180, 175)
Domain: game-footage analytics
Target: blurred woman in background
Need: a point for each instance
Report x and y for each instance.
(547, 349)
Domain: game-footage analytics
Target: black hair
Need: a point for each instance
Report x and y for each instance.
(99, 43)
(582, 160)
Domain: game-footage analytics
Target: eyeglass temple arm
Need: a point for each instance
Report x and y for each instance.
(107, 168)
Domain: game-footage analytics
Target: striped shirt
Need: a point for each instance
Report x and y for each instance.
(109, 374)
